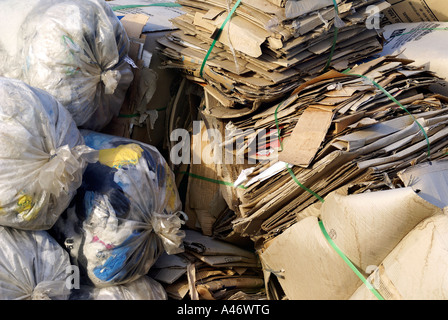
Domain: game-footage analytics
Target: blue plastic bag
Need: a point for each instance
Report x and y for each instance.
(126, 212)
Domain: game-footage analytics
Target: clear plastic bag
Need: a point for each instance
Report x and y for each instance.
(144, 288)
(75, 50)
(126, 212)
(42, 157)
(33, 266)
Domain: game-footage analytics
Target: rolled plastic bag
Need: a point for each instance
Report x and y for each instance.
(75, 50)
(42, 157)
(126, 212)
(33, 266)
(144, 288)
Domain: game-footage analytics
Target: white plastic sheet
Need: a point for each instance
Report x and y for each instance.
(75, 50)
(144, 288)
(33, 266)
(42, 157)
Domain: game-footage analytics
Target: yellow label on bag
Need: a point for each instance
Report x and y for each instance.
(120, 156)
(27, 208)
(24, 203)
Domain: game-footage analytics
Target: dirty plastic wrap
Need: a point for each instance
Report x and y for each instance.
(42, 157)
(144, 288)
(33, 266)
(75, 50)
(125, 214)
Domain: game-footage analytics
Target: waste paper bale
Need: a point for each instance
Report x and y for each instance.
(33, 266)
(75, 50)
(42, 157)
(126, 212)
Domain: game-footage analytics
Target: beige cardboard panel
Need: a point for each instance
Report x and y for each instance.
(307, 137)
(412, 271)
(416, 11)
(367, 226)
(306, 265)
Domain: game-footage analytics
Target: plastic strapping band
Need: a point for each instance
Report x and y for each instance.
(423, 29)
(164, 4)
(212, 180)
(335, 38)
(302, 186)
(218, 34)
(396, 101)
(278, 126)
(349, 263)
(289, 169)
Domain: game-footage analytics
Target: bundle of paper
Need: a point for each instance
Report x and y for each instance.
(261, 51)
(209, 269)
(356, 128)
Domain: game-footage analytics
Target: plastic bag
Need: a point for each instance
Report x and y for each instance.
(33, 266)
(42, 157)
(75, 50)
(144, 288)
(126, 212)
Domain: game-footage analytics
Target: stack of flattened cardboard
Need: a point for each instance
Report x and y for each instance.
(357, 128)
(266, 49)
(210, 269)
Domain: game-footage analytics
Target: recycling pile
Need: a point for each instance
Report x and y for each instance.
(264, 51)
(311, 161)
(342, 130)
(84, 215)
(322, 132)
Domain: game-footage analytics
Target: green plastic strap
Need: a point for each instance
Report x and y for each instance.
(218, 34)
(278, 126)
(287, 167)
(394, 100)
(349, 263)
(302, 186)
(335, 38)
(212, 180)
(164, 4)
(423, 29)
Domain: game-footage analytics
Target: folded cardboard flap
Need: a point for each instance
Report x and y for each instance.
(366, 228)
(414, 270)
(306, 266)
(208, 246)
(133, 24)
(204, 201)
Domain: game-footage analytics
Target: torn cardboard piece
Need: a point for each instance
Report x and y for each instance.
(308, 267)
(416, 11)
(414, 269)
